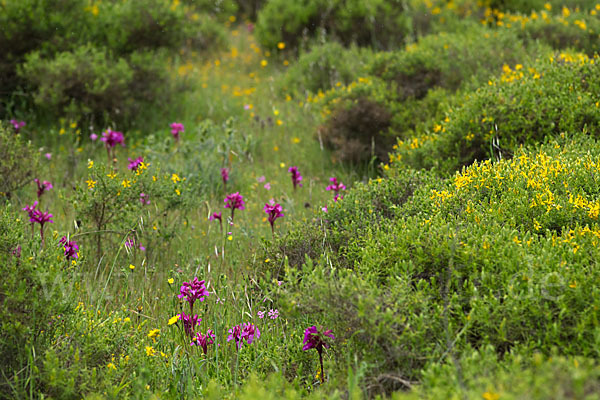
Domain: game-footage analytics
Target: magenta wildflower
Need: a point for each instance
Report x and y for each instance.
(250, 332)
(48, 156)
(176, 129)
(192, 291)
(239, 333)
(93, 136)
(112, 138)
(274, 211)
(313, 339)
(130, 243)
(189, 323)
(296, 177)
(336, 187)
(273, 314)
(135, 164)
(261, 314)
(17, 124)
(215, 216)
(261, 179)
(144, 199)
(30, 209)
(235, 334)
(225, 176)
(42, 187)
(234, 201)
(203, 340)
(16, 251)
(71, 248)
(41, 218)
(267, 186)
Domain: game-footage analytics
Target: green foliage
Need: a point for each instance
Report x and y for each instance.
(411, 268)
(379, 23)
(37, 288)
(577, 31)
(323, 67)
(48, 50)
(451, 60)
(19, 161)
(128, 205)
(481, 374)
(525, 105)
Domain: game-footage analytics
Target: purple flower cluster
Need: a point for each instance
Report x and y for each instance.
(313, 339)
(176, 129)
(203, 340)
(241, 332)
(189, 323)
(135, 164)
(274, 211)
(296, 177)
(336, 187)
(144, 199)
(112, 138)
(42, 187)
(225, 176)
(235, 201)
(192, 291)
(17, 124)
(71, 248)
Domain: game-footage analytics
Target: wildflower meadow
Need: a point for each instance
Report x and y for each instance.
(268, 199)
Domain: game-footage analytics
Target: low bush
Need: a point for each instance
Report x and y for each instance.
(36, 292)
(19, 161)
(324, 67)
(379, 23)
(411, 268)
(524, 106)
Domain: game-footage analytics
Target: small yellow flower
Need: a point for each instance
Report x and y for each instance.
(296, 140)
(126, 183)
(263, 63)
(91, 183)
(178, 192)
(73, 125)
(281, 45)
(90, 164)
(229, 237)
(112, 175)
(174, 319)
(267, 260)
(232, 18)
(131, 267)
(175, 178)
(111, 366)
(170, 280)
(279, 122)
(282, 165)
(150, 351)
(62, 131)
(127, 319)
(153, 334)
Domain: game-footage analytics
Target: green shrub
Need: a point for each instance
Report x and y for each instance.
(19, 162)
(451, 60)
(379, 23)
(411, 268)
(36, 289)
(324, 67)
(482, 374)
(89, 83)
(525, 105)
(577, 31)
